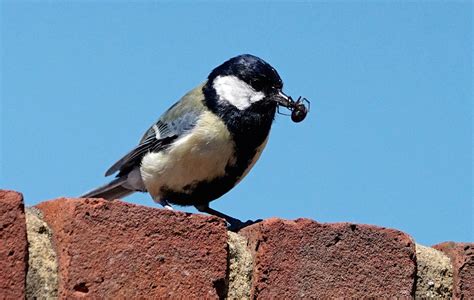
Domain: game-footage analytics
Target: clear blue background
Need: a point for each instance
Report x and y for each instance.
(388, 140)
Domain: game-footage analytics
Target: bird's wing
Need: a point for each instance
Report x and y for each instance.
(178, 119)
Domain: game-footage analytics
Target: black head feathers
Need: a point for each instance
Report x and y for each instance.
(252, 70)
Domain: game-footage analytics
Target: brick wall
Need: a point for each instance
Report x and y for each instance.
(92, 248)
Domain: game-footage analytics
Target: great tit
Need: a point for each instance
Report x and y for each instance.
(205, 143)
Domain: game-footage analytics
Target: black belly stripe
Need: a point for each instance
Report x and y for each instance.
(249, 129)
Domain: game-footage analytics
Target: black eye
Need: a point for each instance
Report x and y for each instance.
(258, 85)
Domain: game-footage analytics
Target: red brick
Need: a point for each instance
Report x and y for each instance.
(462, 259)
(303, 259)
(13, 246)
(119, 250)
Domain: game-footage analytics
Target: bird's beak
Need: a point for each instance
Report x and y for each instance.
(284, 100)
(298, 108)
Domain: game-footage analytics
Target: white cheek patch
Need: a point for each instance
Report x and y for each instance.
(236, 92)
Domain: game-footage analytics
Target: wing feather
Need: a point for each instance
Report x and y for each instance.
(177, 120)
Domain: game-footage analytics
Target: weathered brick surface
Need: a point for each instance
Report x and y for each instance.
(434, 274)
(118, 250)
(13, 246)
(303, 258)
(462, 259)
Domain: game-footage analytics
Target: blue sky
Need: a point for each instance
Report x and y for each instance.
(388, 140)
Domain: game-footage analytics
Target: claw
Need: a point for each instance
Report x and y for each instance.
(235, 226)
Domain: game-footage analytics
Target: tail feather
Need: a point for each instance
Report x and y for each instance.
(110, 191)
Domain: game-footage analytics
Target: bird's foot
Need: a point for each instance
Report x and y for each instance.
(235, 225)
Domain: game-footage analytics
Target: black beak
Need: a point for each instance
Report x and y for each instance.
(284, 100)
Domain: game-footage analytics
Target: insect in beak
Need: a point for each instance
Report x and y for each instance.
(298, 108)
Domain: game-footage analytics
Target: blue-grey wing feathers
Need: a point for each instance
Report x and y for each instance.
(178, 119)
(133, 158)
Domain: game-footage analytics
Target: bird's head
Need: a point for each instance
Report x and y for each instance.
(246, 80)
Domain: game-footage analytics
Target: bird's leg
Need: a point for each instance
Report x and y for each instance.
(234, 224)
(163, 203)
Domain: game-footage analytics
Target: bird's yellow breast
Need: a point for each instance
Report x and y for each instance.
(202, 154)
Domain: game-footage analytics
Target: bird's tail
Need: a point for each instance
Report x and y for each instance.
(110, 191)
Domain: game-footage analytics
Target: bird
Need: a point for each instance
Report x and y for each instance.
(206, 142)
